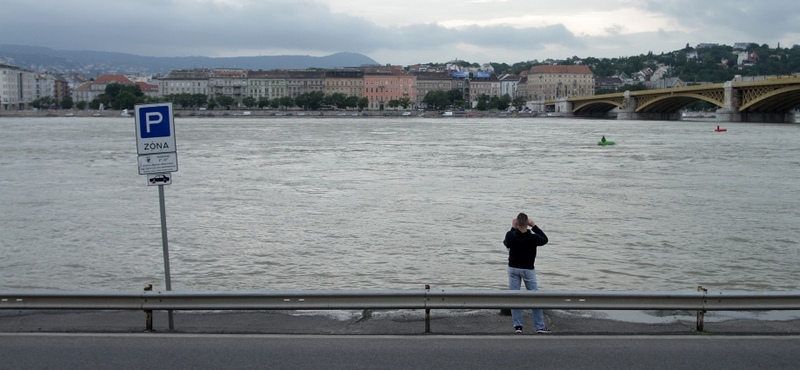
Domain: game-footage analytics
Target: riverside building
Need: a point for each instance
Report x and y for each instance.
(267, 84)
(184, 81)
(17, 88)
(382, 85)
(349, 82)
(550, 82)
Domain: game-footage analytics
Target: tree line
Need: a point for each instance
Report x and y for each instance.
(454, 98)
(120, 96)
(715, 63)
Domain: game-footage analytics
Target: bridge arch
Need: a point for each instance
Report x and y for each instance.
(676, 102)
(597, 106)
(770, 100)
(774, 99)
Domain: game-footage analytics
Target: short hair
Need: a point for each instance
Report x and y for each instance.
(522, 219)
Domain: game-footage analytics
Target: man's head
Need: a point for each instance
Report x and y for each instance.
(522, 220)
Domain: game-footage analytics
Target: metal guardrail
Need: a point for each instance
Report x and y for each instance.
(427, 299)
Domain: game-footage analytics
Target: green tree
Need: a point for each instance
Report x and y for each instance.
(178, 100)
(286, 102)
(45, 102)
(404, 102)
(81, 104)
(335, 100)
(67, 103)
(483, 103)
(363, 103)
(455, 95)
(125, 100)
(503, 102)
(199, 100)
(249, 102)
(518, 102)
(133, 95)
(315, 100)
(263, 102)
(225, 101)
(308, 101)
(500, 68)
(351, 102)
(436, 99)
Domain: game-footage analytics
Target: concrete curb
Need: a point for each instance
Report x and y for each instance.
(405, 322)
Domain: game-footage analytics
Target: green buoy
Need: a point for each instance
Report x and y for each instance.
(603, 141)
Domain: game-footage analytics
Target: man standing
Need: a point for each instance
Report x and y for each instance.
(522, 243)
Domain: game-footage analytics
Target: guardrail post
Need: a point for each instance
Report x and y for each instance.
(701, 313)
(148, 321)
(427, 311)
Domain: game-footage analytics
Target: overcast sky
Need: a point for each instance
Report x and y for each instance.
(397, 32)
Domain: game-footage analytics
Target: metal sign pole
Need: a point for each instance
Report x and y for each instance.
(166, 247)
(158, 158)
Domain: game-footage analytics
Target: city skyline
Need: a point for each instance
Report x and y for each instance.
(482, 31)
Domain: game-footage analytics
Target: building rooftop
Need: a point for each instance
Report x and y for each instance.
(545, 69)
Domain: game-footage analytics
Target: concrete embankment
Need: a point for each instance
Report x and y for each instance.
(184, 113)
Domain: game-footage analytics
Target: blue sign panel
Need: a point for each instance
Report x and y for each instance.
(154, 121)
(155, 128)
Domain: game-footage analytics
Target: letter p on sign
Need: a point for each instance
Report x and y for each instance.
(153, 118)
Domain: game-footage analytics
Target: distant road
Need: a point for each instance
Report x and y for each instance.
(21, 351)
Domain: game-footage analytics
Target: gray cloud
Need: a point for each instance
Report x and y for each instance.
(166, 28)
(184, 28)
(770, 20)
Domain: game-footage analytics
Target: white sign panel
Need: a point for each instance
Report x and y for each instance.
(158, 163)
(159, 179)
(155, 128)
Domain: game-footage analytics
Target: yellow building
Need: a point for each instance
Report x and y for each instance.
(347, 82)
(555, 82)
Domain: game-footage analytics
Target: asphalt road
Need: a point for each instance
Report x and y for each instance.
(67, 351)
(472, 339)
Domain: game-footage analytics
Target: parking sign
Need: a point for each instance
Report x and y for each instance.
(155, 128)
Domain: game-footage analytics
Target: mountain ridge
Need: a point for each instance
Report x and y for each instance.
(90, 63)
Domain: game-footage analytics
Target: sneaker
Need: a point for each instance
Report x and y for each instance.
(543, 331)
(517, 330)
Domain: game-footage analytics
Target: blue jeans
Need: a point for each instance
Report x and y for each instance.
(516, 275)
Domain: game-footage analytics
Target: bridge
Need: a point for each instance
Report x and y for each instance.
(771, 100)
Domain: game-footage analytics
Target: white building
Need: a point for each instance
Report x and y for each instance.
(17, 88)
(92, 89)
(267, 84)
(231, 82)
(45, 85)
(184, 81)
(508, 85)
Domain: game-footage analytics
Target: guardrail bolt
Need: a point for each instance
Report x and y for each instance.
(427, 312)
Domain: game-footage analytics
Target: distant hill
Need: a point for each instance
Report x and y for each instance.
(91, 63)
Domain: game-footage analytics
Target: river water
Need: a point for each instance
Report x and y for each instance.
(397, 203)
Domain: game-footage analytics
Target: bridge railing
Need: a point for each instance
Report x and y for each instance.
(426, 299)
